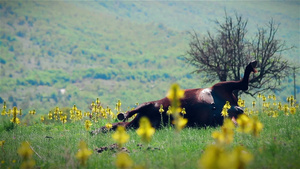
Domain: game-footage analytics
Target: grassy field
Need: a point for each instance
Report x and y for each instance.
(54, 143)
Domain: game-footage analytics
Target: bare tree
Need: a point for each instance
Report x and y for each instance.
(224, 56)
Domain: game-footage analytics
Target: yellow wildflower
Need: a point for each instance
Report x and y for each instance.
(183, 111)
(180, 123)
(94, 108)
(118, 106)
(218, 136)
(251, 112)
(214, 157)
(286, 109)
(83, 153)
(3, 112)
(123, 161)
(293, 110)
(120, 136)
(174, 95)
(161, 110)
(243, 122)
(108, 126)
(63, 119)
(15, 120)
(274, 114)
(87, 124)
(97, 101)
(241, 102)
(256, 126)
(42, 118)
(247, 111)
(9, 112)
(50, 115)
(27, 164)
(169, 111)
(145, 130)
(15, 111)
(60, 113)
(2, 143)
(227, 105)
(264, 98)
(25, 151)
(259, 95)
(240, 158)
(253, 104)
(224, 112)
(32, 112)
(74, 108)
(226, 134)
(4, 105)
(279, 106)
(86, 114)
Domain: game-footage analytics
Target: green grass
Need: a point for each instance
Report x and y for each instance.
(278, 145)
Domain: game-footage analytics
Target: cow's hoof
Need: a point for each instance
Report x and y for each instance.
(121, 116)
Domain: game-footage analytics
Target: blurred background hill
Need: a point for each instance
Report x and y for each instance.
(60, 53)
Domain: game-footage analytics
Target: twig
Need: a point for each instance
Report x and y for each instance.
(34, 151)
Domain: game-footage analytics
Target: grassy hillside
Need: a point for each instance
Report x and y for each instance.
(112, 50)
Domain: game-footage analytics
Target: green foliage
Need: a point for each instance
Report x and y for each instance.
(6, 125)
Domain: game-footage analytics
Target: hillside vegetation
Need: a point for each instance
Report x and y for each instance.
(130, 50)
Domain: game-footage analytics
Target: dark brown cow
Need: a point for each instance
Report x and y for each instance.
(203, 105)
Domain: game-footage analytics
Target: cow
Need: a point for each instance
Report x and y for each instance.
(203, 106)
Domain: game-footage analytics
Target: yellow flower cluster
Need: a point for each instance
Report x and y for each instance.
(145, 131)
(99, 112)
(87, 124)
(174, 95)
(241, 102)
(123, 161)
(15, 119)
(83, 153)
(217, 156)
(14, 112)
(26, 153)
(224, 111)
(249, 125)
(226, 134)
(120, 136)
(273, 108)
(32, 112)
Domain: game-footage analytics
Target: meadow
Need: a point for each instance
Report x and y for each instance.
(62, 139)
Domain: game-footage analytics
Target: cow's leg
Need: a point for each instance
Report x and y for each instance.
(149, 111)
(140, 109)
(134, 123)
